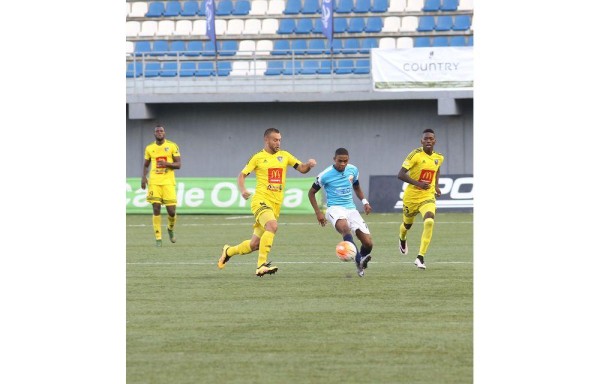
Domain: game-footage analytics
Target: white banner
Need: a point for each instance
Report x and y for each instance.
(422, 68)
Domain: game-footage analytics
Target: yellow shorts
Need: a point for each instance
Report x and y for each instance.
(411, 209)
(263, 213)
(161, 194)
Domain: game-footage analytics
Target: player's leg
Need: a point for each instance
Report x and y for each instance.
(338, 217)
(427, 209)
(268, 221)
(409, 212)
(154, 197)
(170, 201)
(243, 248)
(361, 230)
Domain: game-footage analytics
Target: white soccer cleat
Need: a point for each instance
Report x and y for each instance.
(419, 264)
(403, 246)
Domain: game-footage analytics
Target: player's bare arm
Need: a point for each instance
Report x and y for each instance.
(403, 175)
(176, 164)
(144, 173)
(241, 181)
(305, 167)
(360, 194)
(438, 192)
(313, 201)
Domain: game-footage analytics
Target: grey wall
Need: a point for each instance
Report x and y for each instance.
(378, 134)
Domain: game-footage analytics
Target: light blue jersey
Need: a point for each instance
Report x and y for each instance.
(338, 185)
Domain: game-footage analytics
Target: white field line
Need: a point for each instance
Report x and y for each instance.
(280, 223)
(291, 262)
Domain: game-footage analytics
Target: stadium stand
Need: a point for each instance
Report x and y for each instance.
(277, 33)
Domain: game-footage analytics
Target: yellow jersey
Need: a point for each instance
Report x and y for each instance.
(422, 167)
(270, 170)
(166, 151)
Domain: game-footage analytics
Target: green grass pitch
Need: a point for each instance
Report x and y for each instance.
(314, 321)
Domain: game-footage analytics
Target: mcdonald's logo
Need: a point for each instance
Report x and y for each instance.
(275, 175)
(427, 175)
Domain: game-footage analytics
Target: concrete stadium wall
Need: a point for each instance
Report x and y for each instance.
(216, 140)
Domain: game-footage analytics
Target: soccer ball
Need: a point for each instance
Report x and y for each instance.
(345, 251)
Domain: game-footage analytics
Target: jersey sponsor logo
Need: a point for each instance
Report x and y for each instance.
(161, 168)
(275, 175)
(426, 175)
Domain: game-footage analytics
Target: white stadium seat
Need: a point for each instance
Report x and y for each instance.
(165, 28)
(240, 68)
(183, 28)
(199, 27)
(235, 27)
(246, 48)
(132, 28)
(269, 27)
(139, 9)
(391, 24)
(409, 24)
(387, 43)
(276, 7)
(414, 5)
(251, 27)
(397, 6)
(258, 7)
(149, 28)
(220, 26)
(404, 42)
(264, 47)
(465, 5)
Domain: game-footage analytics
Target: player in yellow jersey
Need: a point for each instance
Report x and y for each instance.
(163, 158)
(270, 166)
(421, 170)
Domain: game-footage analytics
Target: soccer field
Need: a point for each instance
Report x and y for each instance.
(314, 321)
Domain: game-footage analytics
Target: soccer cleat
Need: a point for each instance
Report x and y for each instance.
(265, 269)
(159, 243)
(224, 258)
(403, 246)
(364, 261)
(171, 235)
(360, 265)
(420, 264)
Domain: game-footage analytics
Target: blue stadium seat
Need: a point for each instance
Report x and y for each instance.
(188, 69)
(431, 5)
(356, 25)
(440, 41)
(311, 7)
(299, 47)
(172, 9)
(374, 24)
(134, 69)
(344, 6)
(160, 48)
(351, 46)
(458, 41)
(316, 47)
(152, 69)
(344, 66)
(224, 8)
(291, 67)
(209, 48)
(362, 6)
(324, 67)
(155, 9)
(363, 66)
(380, 6)
(462, 23)
(190, 8)
(309, 67)
(142, 48)
(242, 7)
(340, 24)
(305, 25)
(202, 8)
(194, 48)
(292, 7)
(426, 24)
(421, 41)
(367, 44)
(205, 68)
(223, 68)
(337, 46)
(286, 26)
(318, 26)
(281, 47)
(228, 48)
(444, 23)
(169, 69)
(449, 5)
(274, 67)
(177, 46)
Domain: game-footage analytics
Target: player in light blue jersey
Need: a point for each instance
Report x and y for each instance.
(338, 181)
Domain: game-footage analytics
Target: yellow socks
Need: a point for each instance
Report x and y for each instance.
(171, 222)
(403, 232)
(240, 249)
(266, 241)
(156, 222)
(426, 236)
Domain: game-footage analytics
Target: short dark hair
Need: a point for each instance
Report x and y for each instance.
(341, 151)
(429, 130)
(271, 130)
